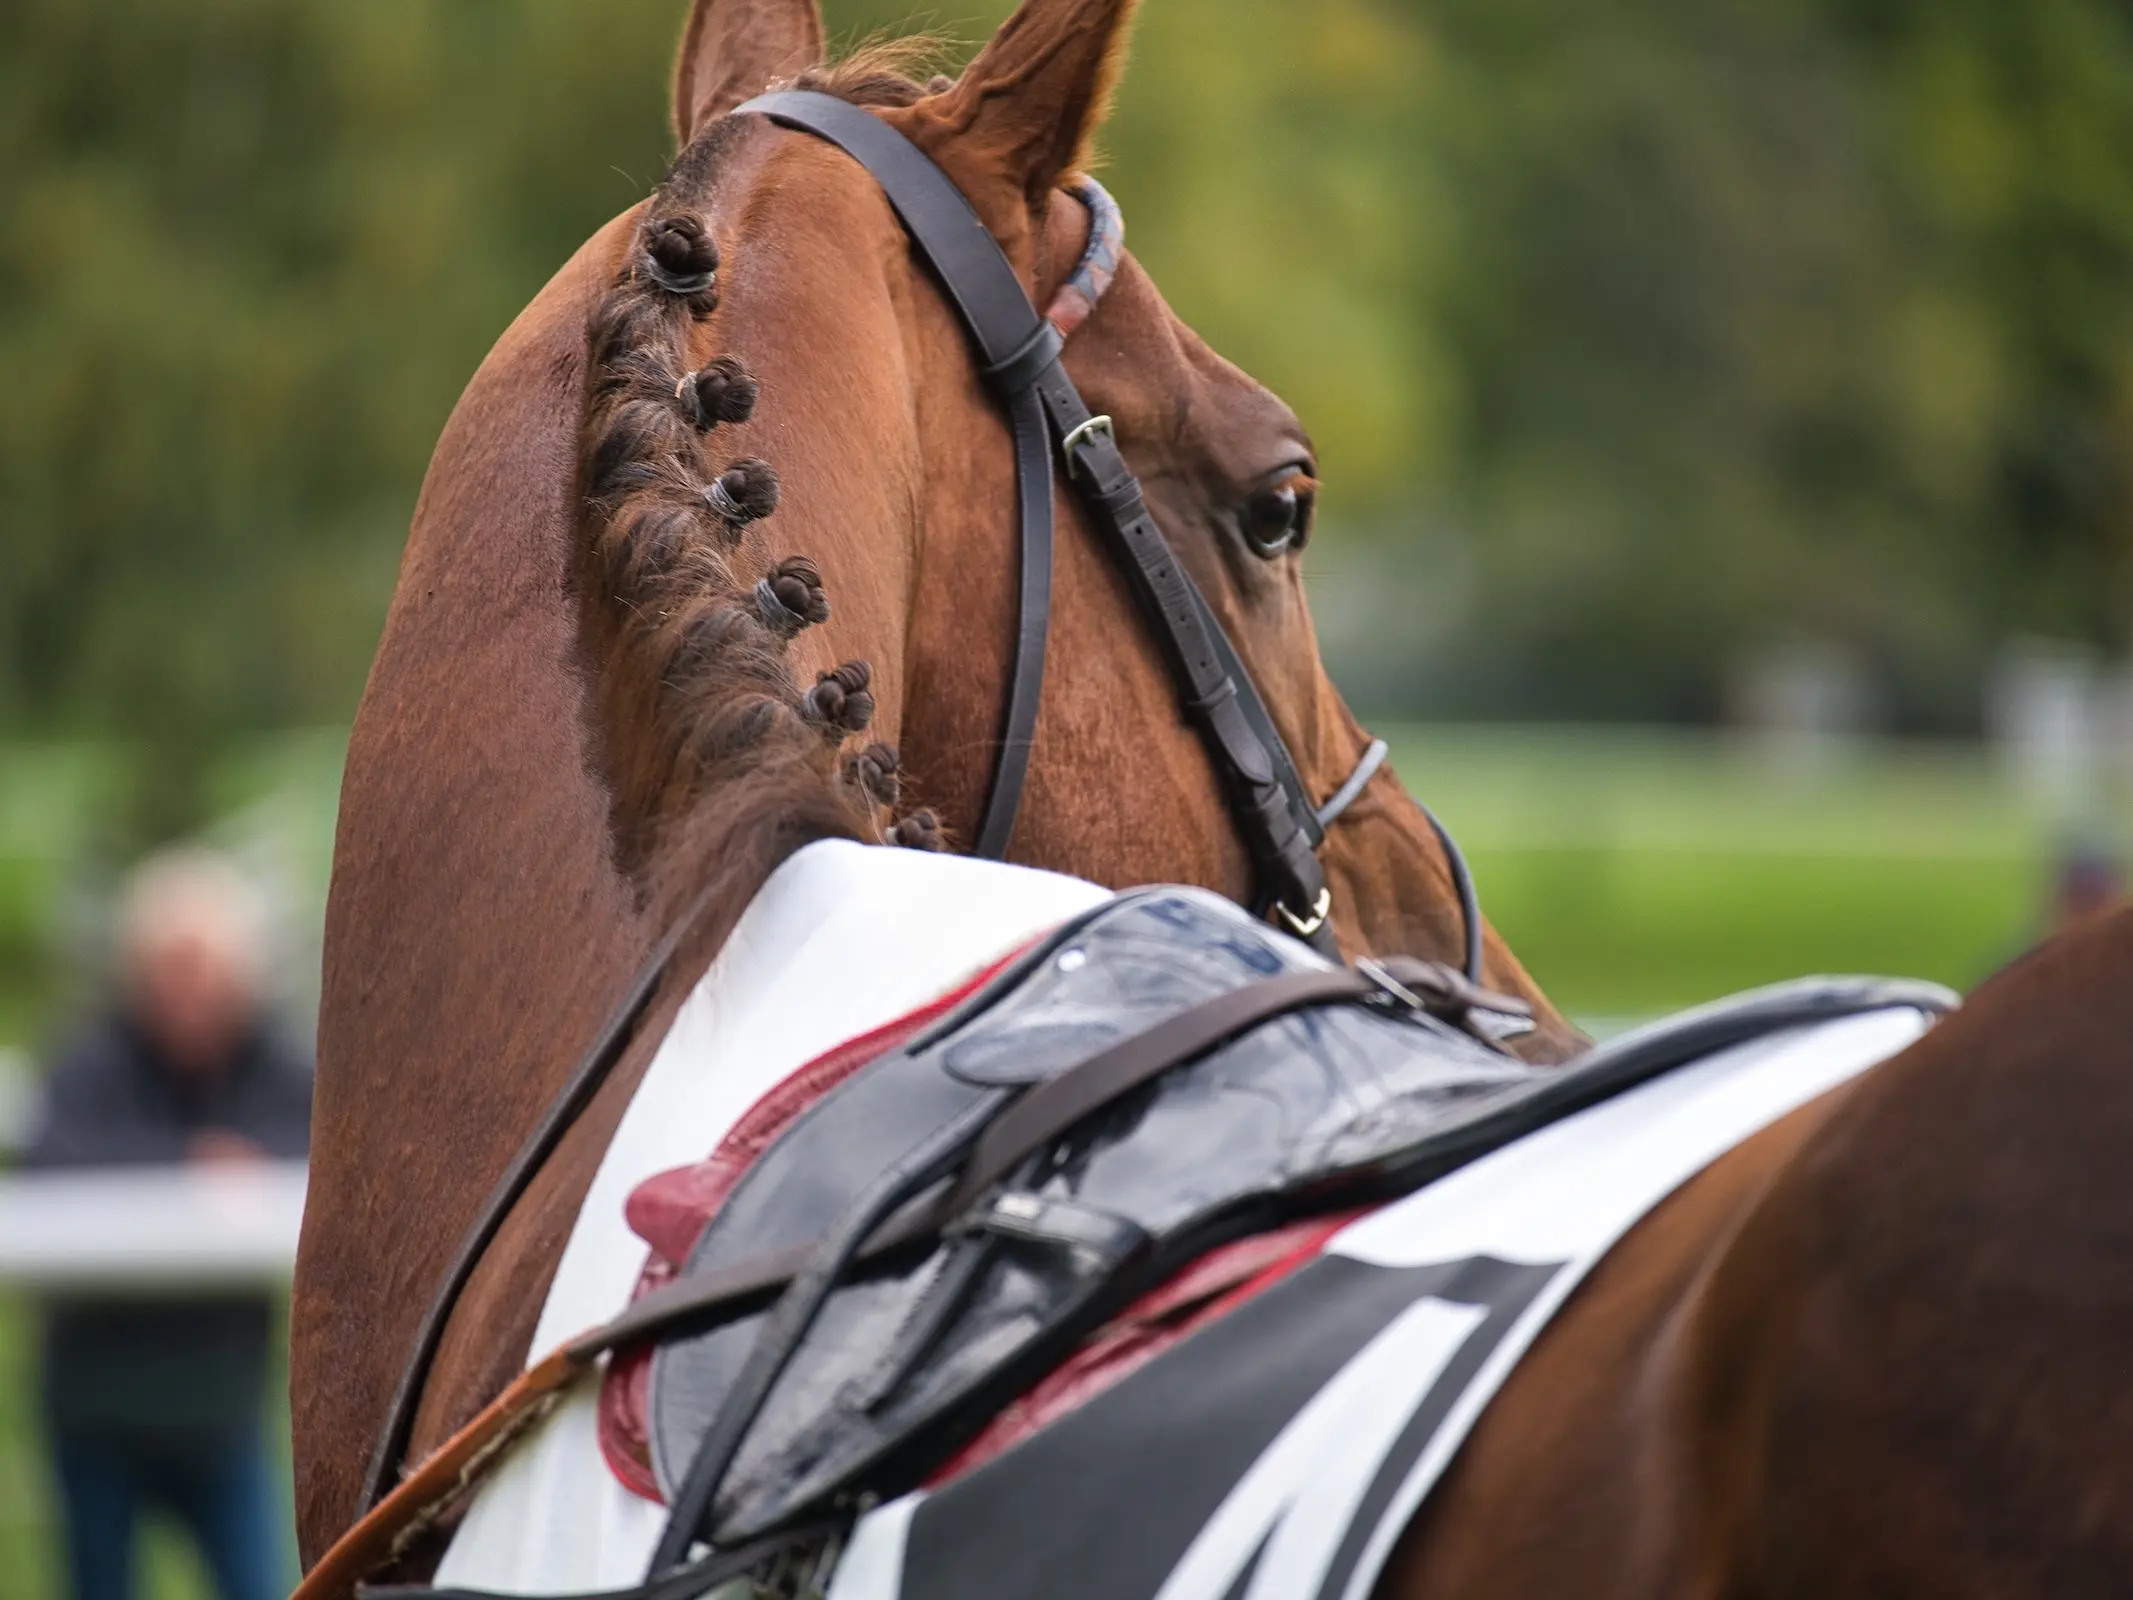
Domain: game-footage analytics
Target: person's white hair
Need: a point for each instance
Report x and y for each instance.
(194, 893)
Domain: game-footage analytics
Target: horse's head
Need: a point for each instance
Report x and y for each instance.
(791, 462)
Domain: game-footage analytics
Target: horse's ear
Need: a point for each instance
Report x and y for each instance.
(1024, 112)
(732, 49)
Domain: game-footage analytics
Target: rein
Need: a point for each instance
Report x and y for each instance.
(1018, 352)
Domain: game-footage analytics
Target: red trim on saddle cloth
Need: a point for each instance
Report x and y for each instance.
(671, 1209)
(1211, 1287)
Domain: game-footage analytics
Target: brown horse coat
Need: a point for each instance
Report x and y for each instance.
(1877, 1351)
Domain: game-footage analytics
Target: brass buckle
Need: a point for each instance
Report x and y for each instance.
(1081, 433)
(1304, 927)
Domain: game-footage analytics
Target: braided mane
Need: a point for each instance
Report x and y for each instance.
(686, 633)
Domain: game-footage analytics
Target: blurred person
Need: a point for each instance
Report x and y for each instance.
(158, 1404)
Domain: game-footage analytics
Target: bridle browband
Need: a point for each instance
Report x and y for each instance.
(1018, 353)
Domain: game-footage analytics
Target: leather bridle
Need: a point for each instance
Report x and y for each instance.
(1018, 352)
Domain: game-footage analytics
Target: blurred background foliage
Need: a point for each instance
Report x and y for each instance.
(1632, 331)
(1642, 341)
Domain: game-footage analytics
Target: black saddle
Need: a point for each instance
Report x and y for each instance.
(938, 1232)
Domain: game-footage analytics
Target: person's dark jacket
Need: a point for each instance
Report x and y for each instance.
(181, 1371)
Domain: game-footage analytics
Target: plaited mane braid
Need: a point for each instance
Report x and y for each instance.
(874, 772)
(693, 691)
(745, 492)
(919, 831)
(792, 597)
(840, 701)
(721, 391)
(680, 257)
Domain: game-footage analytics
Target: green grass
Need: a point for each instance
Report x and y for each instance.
(1631, 869)
(1609, 933)
(1635, 871)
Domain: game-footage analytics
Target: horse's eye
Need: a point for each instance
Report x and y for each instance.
(1277, 519)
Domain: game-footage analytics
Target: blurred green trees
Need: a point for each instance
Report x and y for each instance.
(1644, 328)
(250, 251)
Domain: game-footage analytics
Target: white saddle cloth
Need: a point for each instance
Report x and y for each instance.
(842, 939)
(1312, 1513)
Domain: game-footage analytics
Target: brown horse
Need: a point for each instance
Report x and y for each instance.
(580, 713)
(1877, 1350)
(1870, 1352)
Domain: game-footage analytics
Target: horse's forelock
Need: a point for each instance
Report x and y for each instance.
(885, 71)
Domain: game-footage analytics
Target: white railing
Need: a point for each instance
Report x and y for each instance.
(151, 1229)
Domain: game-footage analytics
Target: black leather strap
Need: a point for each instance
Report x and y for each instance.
(1024, 1129)
(1012, 343)
(973, 271)
(577, 1092)
(1044, 1113)
(1276, 818)
(810, 1286)
(1267, 798)
(1033, 618)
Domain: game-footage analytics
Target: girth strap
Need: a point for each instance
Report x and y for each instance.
(1019, 352)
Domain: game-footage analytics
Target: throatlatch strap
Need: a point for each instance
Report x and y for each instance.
(1033, 617)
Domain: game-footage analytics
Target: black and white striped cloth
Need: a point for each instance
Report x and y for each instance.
(1278, 1453)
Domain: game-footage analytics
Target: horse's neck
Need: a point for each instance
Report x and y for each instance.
(477, 929)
